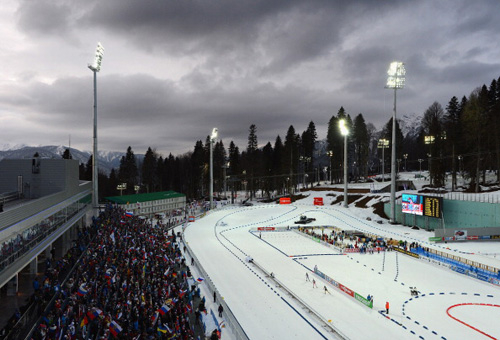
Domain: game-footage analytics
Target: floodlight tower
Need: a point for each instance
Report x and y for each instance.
(95, 67)
(344, 131)
(213, 138)
(395, 80)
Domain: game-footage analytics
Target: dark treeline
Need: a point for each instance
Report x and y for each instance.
(463, 137)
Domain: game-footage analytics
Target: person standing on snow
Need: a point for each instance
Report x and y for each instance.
(387, 307)
(307, 277)
(314, 284)
(221, 309)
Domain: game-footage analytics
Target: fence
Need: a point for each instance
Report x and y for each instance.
(311, 310)
(459, 264)
(230, 319)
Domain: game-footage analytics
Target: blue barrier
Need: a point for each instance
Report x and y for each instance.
(459, 267)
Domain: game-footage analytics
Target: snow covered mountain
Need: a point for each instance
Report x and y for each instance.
(107, 159)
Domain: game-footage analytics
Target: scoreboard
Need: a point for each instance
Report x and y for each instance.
(422, 205)
(433, 206)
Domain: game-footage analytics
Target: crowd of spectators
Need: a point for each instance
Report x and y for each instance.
(131, 283)
(49, 284)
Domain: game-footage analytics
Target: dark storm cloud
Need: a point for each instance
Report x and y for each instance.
(42, 18)
(143, 111)
(269, 63)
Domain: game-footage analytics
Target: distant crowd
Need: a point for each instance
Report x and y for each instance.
(131, 283)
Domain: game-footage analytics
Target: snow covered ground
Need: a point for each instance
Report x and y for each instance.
(450, 305)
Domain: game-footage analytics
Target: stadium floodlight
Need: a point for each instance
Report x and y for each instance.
(95, 67)
(344, 131)
(213, 138)
(395, 80)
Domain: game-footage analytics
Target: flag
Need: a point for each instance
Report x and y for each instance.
(124, 285)
(200, 279)
(189, 307)
(81, 290)
(94, 313)
(174, 274)
(108, 273)
(154, 318)
(129, 213)
(112, 236)
(164, 329)
(164, 309)
(167, 271)
(115, 328)
(84, 321)
(182, 293)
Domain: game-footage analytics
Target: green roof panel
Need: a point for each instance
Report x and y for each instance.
(138, 198)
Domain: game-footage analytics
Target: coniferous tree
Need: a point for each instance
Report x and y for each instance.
(433, 127)
(149, 177)
(361, 146)
(453, 134)
(67, 154)
(128, 171)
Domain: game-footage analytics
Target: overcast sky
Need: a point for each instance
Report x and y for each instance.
(173, 70)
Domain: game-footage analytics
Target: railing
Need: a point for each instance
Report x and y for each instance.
(230, 320)
(41, 234)
(304, 304)
(461, 196)
(457, 260)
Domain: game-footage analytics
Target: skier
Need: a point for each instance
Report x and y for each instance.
(221, 309)
(326, 290)
(307, 277)
(387, 307)
(314, 284)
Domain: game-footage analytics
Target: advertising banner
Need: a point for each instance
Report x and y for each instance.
(363, 300)
(318, 200)
(266, 228)
(435, 239)
(346, 290)
(285, 200)
(191, 219)
(460, 235)
(407, 252)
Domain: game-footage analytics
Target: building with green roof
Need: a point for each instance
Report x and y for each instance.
(150, 204)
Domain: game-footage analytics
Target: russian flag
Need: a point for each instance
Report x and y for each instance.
(115, 328)
(182, 293)
(200, 279)
(81, 290)
(129, 213)
(164, 309)
(94, 313)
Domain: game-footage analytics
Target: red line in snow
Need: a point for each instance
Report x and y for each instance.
(469, 304)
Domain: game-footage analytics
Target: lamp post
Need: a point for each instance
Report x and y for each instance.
(224, 168)
(329, 153)
(429, 140)
(95, 67)
(460, 158)
(395, 80)
(344, 131)
(305, 160)
(213, 137)
(383, 144)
